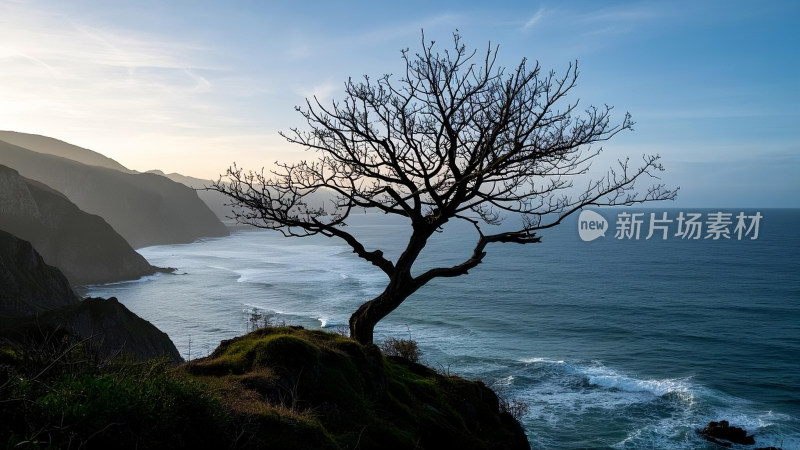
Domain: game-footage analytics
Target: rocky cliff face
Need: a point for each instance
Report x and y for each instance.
(83, 246)
(35, 297)
(146, 209)
(28, 286)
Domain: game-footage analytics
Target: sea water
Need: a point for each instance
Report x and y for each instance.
(613, 343)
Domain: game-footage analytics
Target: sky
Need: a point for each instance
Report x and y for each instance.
(194, 86)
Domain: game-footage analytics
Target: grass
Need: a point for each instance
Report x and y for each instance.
(276, 387)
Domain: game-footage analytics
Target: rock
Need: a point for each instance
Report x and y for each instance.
(722, 433)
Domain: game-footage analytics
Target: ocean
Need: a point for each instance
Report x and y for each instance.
(617, 343)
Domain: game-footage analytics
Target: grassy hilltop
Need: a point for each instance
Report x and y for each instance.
(277, 387)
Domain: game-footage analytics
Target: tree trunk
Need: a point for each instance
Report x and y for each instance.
(363, 321)
(401, 286)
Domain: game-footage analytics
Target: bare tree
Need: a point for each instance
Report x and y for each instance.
(453, 138)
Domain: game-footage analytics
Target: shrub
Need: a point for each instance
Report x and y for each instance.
(404, 348)
(511, 405)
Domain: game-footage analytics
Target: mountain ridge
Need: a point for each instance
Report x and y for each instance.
(146, 209)
(52, 146)
(83, 246)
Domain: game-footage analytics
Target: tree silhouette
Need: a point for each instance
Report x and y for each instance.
(454, 138)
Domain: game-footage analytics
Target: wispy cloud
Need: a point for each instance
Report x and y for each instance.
(90, 84)
(534, 19)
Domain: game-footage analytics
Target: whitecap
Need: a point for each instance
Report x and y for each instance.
(538, 360)
(503, 382)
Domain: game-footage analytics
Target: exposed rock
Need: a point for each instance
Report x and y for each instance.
(146, 209)
(722, 433)
(83, 246)
(28, 286)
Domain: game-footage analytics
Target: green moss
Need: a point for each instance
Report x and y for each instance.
(274, 388)
(283, 350)
(9, 356)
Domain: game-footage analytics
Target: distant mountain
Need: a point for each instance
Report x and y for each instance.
(217, 203)
(36, 301)
(83, 246)
(146, 209)
(220, 203)
(50, 146)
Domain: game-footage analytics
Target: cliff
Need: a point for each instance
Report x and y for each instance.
(146, 209)
(83, 246)
(28, 286)
(112, 328)
(37, 301)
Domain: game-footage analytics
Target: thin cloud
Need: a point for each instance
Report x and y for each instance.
(534, 20)
(68, 76)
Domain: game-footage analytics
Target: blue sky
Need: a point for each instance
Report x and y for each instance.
(192, 86)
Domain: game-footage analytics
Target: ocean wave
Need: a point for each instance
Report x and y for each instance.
(250, 307)
(89, 288)
(540, 360)
(610, 379)
(503, 383)
(329, 322)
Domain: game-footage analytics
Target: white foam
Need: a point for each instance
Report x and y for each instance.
(93, 287)
(538, 360)
(249, 307)
(252, 275)
(503, 382)
(623, 383)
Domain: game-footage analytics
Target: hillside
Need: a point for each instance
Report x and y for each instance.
(38, 308)
(83, 246)
(146, 209)
(51, 146)
(217, 203)
(28, 285)
(277, 388)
